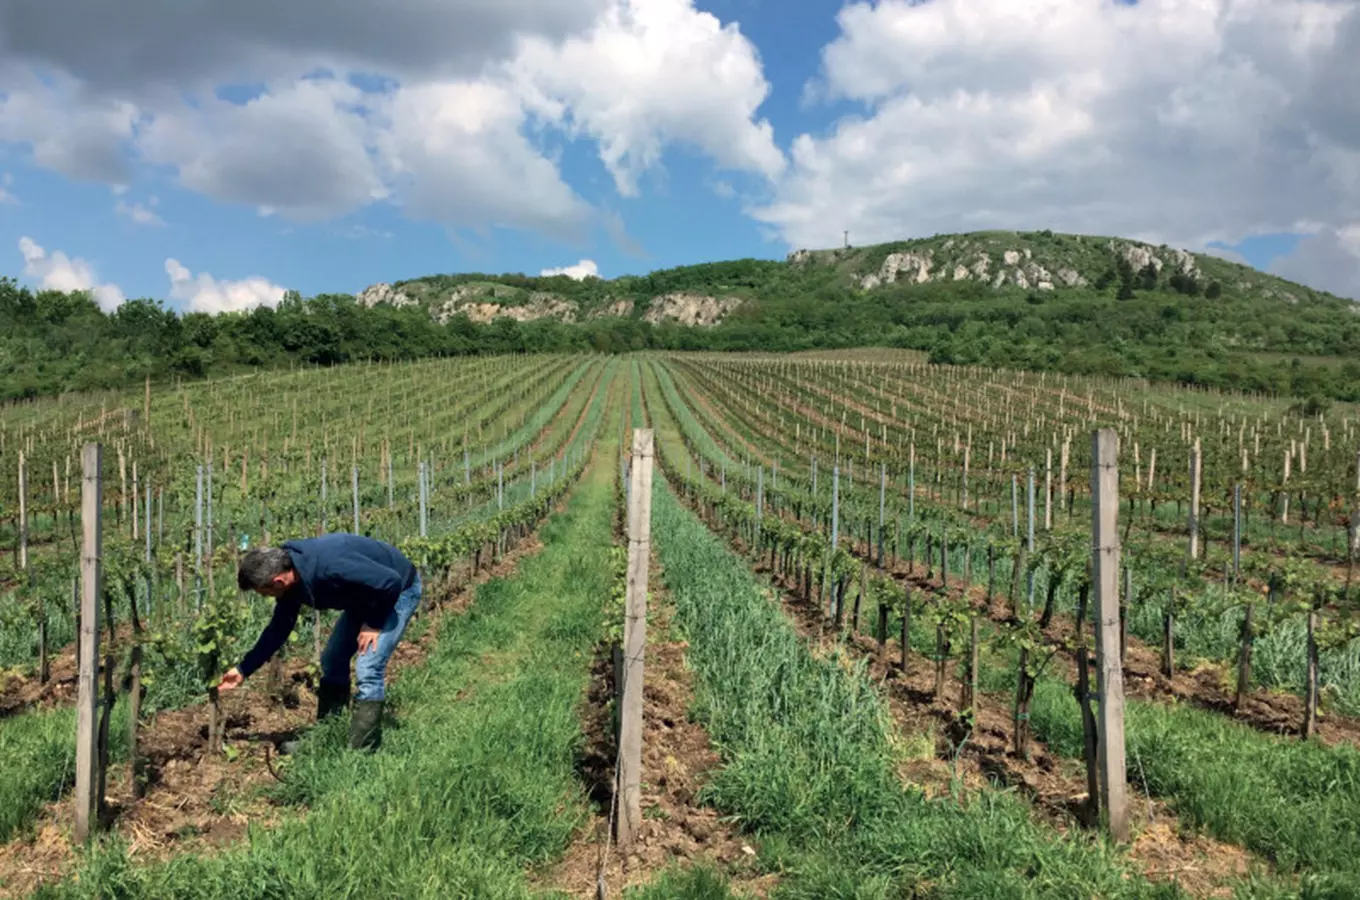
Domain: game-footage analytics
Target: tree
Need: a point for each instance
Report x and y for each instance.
(1148, 277)
(1213, 291)
(1182, 283)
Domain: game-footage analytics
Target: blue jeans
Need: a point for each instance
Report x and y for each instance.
(371, 669)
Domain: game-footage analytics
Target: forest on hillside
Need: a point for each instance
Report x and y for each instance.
(1121, 325)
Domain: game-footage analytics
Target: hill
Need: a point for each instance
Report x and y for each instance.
(1037, 300)
(1033, 300)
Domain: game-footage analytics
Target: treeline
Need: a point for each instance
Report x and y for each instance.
(52, 342)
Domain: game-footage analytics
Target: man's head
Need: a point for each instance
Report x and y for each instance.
(266, 570)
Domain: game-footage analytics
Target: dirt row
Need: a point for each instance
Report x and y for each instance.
(1210, 686)
(21, 691)
(981, 756)
(200, 802)
(676, 759)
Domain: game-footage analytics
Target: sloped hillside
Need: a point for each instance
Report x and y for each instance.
(1045, 261)
(707, 294)
(484, 298)
(1037, 300)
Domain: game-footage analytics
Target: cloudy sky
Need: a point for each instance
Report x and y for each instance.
(212, 154)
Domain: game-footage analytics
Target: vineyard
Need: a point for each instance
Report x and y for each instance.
(869, 613)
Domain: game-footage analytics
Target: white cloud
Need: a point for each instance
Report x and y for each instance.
(1329, 260)
(1197, 120)
(68, 129)
(56, 271)
(652, 72)
(138, 213)
(584, 269)
(301, 150)
(203, 293)
(141, 44)
(448, 109)
(6, 181)
(456, 154)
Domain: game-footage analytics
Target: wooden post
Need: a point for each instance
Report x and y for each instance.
(882, 508)
(911, 483)
(198, 522)
(760, 504)
(424, 499)
(1048, 490)
(87, 692)
(1196, 470)
(354, 492)
(132, 507)
(1029, 540)
(1237, 535)
(23, 513)
(1109, 672)
(1310, 702)
(629, 811)
(1015, 506)
(970, 689)
(1062, 470)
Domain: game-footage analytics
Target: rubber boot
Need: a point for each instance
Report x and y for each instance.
(365, 726)
(330, 700)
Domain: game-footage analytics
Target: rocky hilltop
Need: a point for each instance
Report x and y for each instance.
(709, 294)
(1039, 261)
(485, 301)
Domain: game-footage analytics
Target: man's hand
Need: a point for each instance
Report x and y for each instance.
(231, 680)
(368, 639)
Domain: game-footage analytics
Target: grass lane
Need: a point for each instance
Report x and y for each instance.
(38, 745)
(1296, 803)
(475, 782)
(810, 759)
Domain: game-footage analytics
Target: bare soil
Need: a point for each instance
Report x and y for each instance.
(200, 802)
(1055, 786)
(21, 691)
(677, 755)
(962, 761)
(1210, 686)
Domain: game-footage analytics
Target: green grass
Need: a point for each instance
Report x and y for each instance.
(39, 753)
(475, 782)
(697, 883)
(1295, 802)
(810, 761)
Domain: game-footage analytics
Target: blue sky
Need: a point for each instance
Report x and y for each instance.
(641, 134)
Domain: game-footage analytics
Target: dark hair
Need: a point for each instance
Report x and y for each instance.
(260, 566)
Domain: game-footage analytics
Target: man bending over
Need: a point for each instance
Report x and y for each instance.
(377, 589)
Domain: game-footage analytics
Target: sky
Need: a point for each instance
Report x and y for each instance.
(214, 155)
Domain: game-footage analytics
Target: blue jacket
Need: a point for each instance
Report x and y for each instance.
(357, 574)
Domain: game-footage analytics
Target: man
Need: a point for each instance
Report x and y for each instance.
(376, 587)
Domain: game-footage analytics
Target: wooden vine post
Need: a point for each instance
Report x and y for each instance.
(628, 820)
(23, 513)
(87, 694)
(1109, 671)
(1196, 474)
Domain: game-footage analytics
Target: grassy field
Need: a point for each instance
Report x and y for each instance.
(789, 492)
(465, 795)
